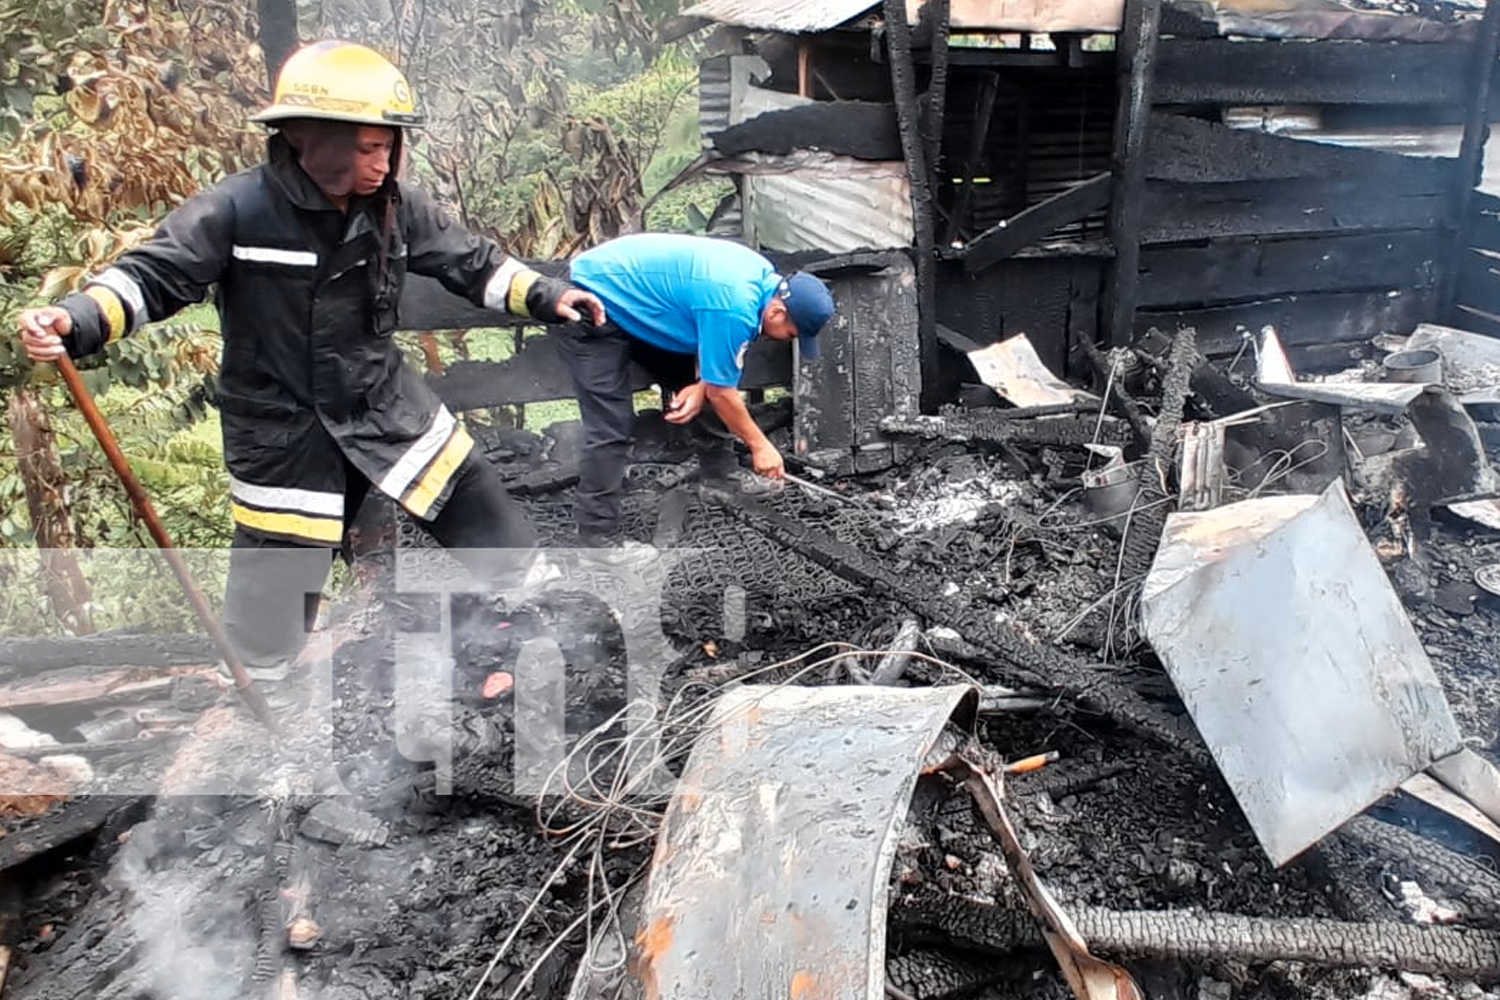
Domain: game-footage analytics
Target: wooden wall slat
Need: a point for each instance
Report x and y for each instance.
(1242, 270)
(1222, 71)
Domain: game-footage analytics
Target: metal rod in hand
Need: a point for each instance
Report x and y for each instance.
(823, 491)
(142, 504)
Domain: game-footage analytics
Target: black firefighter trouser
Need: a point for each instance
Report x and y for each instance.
(599, 358)
(271, 601)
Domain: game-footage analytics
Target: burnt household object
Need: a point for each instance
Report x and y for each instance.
(1276, 377)
(1321, 701)
(1422, 365)
(1012, 368)
(1471, 362)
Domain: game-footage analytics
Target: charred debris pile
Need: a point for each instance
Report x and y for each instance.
(1177, 684)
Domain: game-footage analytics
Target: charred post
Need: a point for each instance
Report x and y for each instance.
(1136, 64)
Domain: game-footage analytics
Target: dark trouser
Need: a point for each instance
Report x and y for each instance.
(599, 360)
(271, 601)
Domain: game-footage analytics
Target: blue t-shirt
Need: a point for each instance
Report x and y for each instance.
(690, 294)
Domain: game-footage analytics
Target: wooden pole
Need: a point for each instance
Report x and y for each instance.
(904, 90)
(1136, 59)
(1470, 167)
(147, 512)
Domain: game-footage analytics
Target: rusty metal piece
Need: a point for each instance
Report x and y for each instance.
(821, 780)
(142, 504)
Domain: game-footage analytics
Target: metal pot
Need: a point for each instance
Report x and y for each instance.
(1422, 365)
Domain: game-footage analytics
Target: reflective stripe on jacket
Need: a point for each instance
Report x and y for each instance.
(310, 374)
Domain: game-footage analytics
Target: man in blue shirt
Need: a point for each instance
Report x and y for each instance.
(686, 309)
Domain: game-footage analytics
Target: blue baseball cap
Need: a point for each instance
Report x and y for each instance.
(810, 305)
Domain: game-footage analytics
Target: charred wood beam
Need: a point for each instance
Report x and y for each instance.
(1187, 935)
(1103, 367)
(69, 820)
(1470, 882)
(1137, 47)
(1477, 320)
(1009, 235)
(1221, 71)
(995, 427)
(1180, 148)
(1250, 269)
(1019, 660)
(537, 373)
(1143, 533)
(22, 657)
(863, 129)
(936, 975)
(939, 14)
(1483, 224)
(979, 133)
(1478, 283)
(1180, 213)
(1481, 77)
(904, 89)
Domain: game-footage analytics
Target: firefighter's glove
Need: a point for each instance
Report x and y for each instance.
(553, 300)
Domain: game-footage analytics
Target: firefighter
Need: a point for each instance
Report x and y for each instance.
(307, 253)
(686, 309)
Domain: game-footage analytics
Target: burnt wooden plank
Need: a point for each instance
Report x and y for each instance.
(1135, 72)
(1477, 320)
(1484, 232)
(866, 130)
(1222, 71)
(426, 305)
(1182, 213)
(1243, 270)
(1299, 319)
(1180, 148)
(63, 824)
(25, 655)
(1006, 237)
(537, 374)
(1478, 281)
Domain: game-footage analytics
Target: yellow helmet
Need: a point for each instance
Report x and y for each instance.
(344, 82)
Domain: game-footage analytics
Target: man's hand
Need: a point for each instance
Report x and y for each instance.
(767, 461)
(42, 331)
(687, 403)
(571, 301)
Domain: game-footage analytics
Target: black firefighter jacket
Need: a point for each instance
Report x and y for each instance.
(310, 375)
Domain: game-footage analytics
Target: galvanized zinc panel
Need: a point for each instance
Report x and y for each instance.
(793, 17)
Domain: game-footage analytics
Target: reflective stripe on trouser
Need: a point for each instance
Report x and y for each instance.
(296, 516)
(271, 601)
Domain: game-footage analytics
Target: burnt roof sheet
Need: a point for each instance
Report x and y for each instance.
(792, 17)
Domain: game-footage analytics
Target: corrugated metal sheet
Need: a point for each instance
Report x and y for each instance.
(793, 17)
(839, 205)
(801, 17)
(722, 85)
(1028, 15)
(818, 201)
